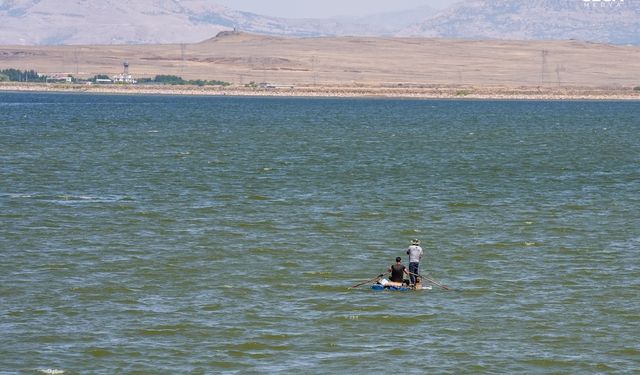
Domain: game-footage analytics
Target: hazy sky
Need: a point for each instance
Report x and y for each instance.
(327, 8)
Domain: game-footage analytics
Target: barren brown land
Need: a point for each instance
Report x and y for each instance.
(350, 66)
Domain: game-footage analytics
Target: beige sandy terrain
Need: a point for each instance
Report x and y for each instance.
(350, 65)
(435, 91)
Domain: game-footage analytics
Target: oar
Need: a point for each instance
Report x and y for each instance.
(445, 287)
(368, 281)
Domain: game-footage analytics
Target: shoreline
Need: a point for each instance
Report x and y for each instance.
(320, 91)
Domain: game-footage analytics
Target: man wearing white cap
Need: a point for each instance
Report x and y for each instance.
(415, 254)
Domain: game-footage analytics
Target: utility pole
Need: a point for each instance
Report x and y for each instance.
(183, 47)
(313, 69)
(559, 69)
(544, 64)
(75, 59)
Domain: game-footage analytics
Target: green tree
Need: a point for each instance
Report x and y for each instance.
(13, 74)
(17, 75)
(169, 80)
(99, 76)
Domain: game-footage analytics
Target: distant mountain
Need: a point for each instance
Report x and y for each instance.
(27, 22)
(611, 21)
(391, 22)
(34, 22)
(103, 22)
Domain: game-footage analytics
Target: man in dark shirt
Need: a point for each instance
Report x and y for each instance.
(398, 270)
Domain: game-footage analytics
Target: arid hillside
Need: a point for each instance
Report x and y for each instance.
(348, 61)
(78, 22)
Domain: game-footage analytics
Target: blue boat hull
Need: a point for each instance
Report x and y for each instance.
(379, 287)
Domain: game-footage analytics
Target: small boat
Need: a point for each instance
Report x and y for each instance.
(397, 287)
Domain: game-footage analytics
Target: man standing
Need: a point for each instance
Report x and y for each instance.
(415, 254)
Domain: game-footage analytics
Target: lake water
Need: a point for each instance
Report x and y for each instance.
(202, 235)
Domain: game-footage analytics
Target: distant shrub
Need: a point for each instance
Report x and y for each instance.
(169, 80)
(217, 83)
(99, 76)
(200, 82)
(176, 80)
(3, 77)
(637, 88)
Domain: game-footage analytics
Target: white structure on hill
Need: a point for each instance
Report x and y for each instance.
(124, 77)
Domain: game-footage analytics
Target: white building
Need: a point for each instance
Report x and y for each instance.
(124, 77)
(60, 77)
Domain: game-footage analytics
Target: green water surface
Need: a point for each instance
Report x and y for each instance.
(195, 235)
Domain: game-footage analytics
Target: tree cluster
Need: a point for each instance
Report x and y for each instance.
(16, 75)
(176, 80)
